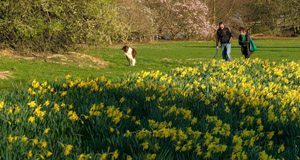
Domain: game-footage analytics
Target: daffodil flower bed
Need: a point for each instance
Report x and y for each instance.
(245, 109)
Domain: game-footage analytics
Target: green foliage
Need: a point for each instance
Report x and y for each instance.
(57, 24)
(273, 15)
(261, 29)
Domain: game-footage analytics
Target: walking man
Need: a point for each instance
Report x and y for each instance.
(224, 36)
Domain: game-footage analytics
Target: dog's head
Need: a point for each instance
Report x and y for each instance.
(125, 48)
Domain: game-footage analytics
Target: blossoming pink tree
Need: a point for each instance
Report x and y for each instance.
(184, 17)
(191, 19)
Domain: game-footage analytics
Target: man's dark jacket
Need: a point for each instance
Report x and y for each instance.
(223, 36)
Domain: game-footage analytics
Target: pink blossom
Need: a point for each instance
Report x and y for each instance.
(189, 17)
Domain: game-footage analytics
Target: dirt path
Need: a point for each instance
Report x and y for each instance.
(5, 74)
(73, 58)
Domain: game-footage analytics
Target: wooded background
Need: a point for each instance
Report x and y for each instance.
(58, 25)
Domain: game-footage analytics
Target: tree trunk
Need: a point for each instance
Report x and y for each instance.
(214, 11)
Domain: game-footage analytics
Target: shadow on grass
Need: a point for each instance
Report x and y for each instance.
(93, 134)
(95, 131)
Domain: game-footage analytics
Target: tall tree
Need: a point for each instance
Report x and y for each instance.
(139, 18)
(181, 17)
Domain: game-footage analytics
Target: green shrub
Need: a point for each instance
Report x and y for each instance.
(56, 25)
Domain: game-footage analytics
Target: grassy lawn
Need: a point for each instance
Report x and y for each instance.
(151, 56)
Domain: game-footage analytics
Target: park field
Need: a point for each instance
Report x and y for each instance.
(18, 71)
(177, 103)
(215, 110)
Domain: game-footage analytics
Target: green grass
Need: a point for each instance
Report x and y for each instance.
(216, 109)
(150, 56)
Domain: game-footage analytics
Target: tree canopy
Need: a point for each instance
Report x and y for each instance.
(56, 25)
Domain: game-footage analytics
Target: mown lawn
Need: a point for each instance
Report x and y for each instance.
(151, 56)
(246, 109)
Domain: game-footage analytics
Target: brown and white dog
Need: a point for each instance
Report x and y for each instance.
(130, 54)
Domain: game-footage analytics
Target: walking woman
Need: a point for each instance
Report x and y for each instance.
(244, 42)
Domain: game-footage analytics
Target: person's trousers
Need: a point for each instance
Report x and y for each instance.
(245, 51)
(226, 50)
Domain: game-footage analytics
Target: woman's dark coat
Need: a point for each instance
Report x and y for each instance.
(245, 50)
